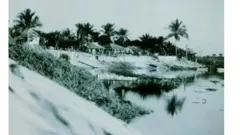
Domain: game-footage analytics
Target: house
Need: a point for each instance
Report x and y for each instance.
(136, 50)
(32, 37)
(112, 49)
(128, 50)
(94, 48)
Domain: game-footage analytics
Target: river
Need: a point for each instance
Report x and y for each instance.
(193, 108)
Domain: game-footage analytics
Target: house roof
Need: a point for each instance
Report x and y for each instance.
(94, 45)
(127, 49)
(135, 48)
(114, 47)
(30, 33)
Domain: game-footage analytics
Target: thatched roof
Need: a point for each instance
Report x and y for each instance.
(128, 50)
(94, 46)
(30, 33)
(114, 47)
(135, 48)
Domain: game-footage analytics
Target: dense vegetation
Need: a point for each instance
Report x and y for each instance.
(78, 79)
(75, 79)
(86, 32)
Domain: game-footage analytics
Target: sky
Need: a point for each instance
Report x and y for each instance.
(204, 19)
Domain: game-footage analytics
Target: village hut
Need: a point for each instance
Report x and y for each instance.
(32, 37)
(136, 50)
(112, 49)
(28, 36)
(94, 48)
(128, 50)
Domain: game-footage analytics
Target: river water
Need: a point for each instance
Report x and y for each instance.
(193, 108)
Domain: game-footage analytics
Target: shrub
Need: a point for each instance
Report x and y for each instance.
(75, 79)
(65, 57)
(122, 68)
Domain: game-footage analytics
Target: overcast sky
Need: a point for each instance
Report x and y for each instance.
(204, 18)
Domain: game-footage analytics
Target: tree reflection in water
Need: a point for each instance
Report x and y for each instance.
(174, 105)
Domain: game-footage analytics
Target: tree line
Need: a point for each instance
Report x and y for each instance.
(86, 32)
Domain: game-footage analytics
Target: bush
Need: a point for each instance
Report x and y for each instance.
(122, 68)
(75, 79)
(65, 57)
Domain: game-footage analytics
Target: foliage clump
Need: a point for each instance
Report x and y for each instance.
(75, 79)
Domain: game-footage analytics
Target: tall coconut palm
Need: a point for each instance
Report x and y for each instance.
(122, 36)
(89, 29)
(27, 20)
(174, 105)
(108, 30)
(177, 30)
(83, 32)
(80, 32)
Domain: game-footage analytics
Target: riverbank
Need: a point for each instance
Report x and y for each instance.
(39, 105)
(85, 80)
(76, 79)
(140, 65)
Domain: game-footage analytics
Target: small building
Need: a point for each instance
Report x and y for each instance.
(136, 50)
(32, 37)
(112, 49)
(128, 50)
(94, 48)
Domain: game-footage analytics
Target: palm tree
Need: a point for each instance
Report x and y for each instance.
(148, 41)
(83, 32)
(95, 36)
(27, 20)
(122, 36)
(108, 30)
(67, 34)
(52, 38)
(177, 30)
(174, 105)
(80, 32)
(89, 29)
(160, 41)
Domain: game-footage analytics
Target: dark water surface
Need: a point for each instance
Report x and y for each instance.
(196, 107)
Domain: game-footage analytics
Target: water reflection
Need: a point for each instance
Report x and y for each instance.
(147, 88)
(174, 105)
(197, 110)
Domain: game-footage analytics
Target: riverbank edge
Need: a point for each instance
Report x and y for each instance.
(76, 79)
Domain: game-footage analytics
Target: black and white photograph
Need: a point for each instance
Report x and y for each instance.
(116, 67)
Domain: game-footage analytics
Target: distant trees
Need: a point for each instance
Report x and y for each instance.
(108, 29)
(147, 40)
(121, 36)
(108, 33)
(67, 34)
(85, 32)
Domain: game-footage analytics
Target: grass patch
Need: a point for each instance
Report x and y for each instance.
(65, 57)
(179, 68)
(75, 79)
(122, 68)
